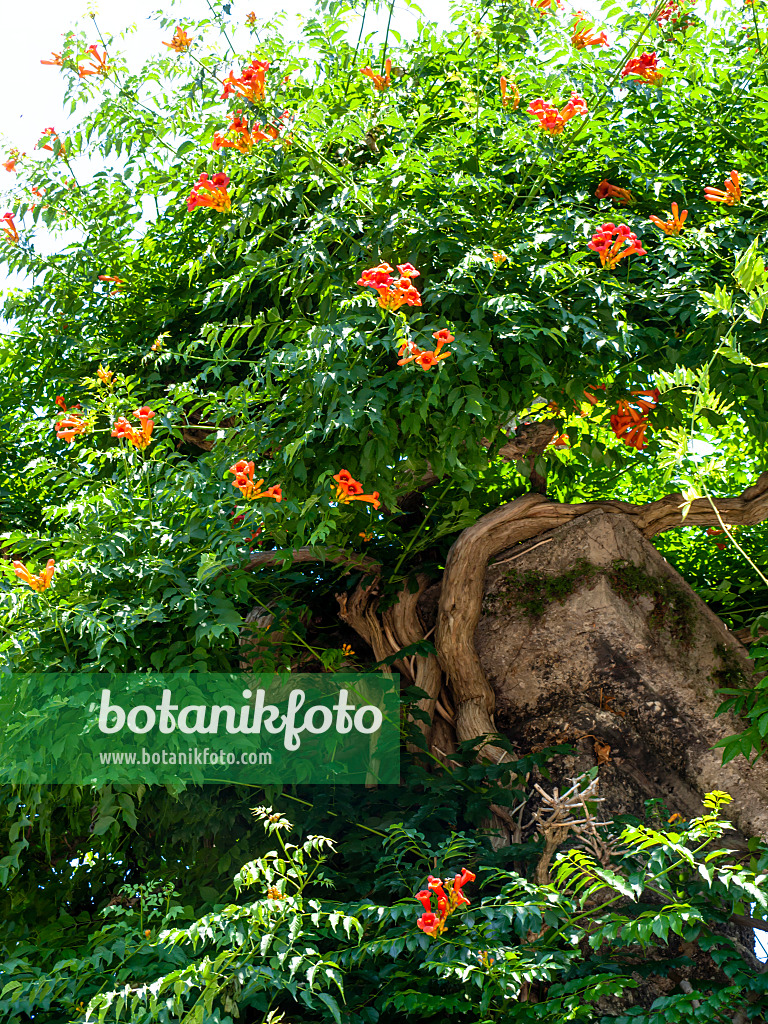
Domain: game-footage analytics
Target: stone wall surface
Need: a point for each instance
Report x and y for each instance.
(627, 677)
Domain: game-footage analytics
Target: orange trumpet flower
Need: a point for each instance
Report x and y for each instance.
(607, 191)
(380, 82)
(38, 583)
(349, 489)
(11, 234)
(249, 488)
(673, 225)
(180, 40)
(98, 63)
(730, 196)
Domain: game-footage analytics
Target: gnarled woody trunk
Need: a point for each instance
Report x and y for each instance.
(473, 684)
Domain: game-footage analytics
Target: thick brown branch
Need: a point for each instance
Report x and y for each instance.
(351, 559)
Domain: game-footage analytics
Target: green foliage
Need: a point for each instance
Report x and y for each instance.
(595, 933)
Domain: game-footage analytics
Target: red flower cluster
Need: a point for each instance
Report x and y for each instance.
(609, 250)
(431, 923)
(553, 120)
(393, 293)
(630, 424)
(251, 84)
(380, 82)
(607, 191)
(426, 359)
(645, 68)
(249, 488)
(11, 234)
(139, 438)
(349, 489)
(37, 583)
(730, 196)
(211, 192)
(98, 63)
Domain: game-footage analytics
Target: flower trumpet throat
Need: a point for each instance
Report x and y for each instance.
(348, 489)
(38, 583)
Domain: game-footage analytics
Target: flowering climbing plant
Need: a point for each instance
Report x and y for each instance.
(320, 281)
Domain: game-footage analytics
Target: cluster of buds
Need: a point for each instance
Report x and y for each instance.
(58, 60)
(250, 488)
(393, 293)
(180, 41)
(611, 250)
(8, 226)
(431, 923)
(607, 191)
(105, 375)
(250, 19)
(13, 156)
(380, 82)
(673, 225)
(348, 489)
(730, 196)
(38, 583)
(250, 84)
(553, 120)
(273, 893)
(139, 438)
(426, 358)
(504, 85)
(628, 423)
(98, 63)
(583, 34)
(51, 134)
(644, 67)
(499, 258)
(211, 192)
